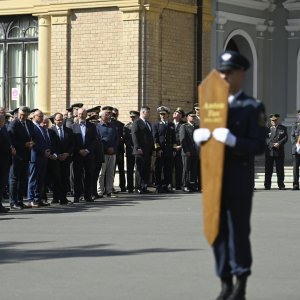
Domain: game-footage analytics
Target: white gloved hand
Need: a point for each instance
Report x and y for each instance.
(224, 136)
(201, 135)
(298, 148)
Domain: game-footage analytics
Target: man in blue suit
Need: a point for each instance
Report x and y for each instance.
(40, 153)
(21, 132)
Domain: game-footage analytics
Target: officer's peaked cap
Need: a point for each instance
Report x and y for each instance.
(231, 60)
(180, 110)
(191, 113)
(134, 113)
(163, 109)
(274, 117)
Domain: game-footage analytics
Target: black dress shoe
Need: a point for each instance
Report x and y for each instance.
(226, 288)
(65, 202)
(76, 199)
(295, 187)
(54, 201)
(89, 199)
(3, 209)
(282, 188)
(267, 188)
(239, 289)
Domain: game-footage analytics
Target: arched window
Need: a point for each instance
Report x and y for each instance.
(18, 61)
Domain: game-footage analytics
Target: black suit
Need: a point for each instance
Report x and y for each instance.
(275, 135)
(18, 175)
(84, 165)
(5, 156)
(295, 134)
(142, 139)
(60, 169)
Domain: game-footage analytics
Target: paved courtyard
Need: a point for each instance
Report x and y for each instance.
(142, 247)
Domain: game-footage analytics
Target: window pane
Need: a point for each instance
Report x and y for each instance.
(31, 74)
(1, 75)
(1, 33)
(15, 74)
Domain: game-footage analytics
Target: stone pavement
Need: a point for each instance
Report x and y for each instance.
(148, 247)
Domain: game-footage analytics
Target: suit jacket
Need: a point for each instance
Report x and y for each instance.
(19, 136)
(128, 138)
(177, 130)
(142, 137)
(295, 134)
(66, 145)
(5, 148)
(186, 139)
(164, 137)
(41, 144)
(90, 139)
(278, 135)
(119, 125)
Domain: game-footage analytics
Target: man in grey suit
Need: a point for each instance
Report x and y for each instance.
(143, 145)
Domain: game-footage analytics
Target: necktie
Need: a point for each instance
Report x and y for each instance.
(25, 126)
(60, 133)
(148, 125)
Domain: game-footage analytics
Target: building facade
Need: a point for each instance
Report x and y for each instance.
(124, 53)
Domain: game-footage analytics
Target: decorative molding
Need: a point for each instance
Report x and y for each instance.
(223, 17)
(260, 5)
(291, 5)
(44, 21)
(171, 5)
(131, 13)
(292, 27)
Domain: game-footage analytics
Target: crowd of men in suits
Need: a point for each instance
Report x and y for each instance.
(77, 152)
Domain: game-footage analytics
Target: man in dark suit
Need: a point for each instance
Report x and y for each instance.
(120, 149)
(40, 153)
(277, 137)
(165, 146)
(143, 145)
(85, 136)
(6, 151)
(189, 153)
(130, 159)
(60, 168)
(295, 140)
(178, 115)
(21, 132)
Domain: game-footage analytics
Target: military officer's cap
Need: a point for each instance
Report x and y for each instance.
(196, 105)
(8, 115)
(231, 60)
(75, 106)
(162, 109)
(92, 118)
(180, 110)
(33, 110)
(274, 117)
(134, 113)
(191, 113)
(107, 107)
(15, 111)
(95, 109)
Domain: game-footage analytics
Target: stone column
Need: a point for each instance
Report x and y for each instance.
(44, 59)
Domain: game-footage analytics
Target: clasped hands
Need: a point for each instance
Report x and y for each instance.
(222, 135)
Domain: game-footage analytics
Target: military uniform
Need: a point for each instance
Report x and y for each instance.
(295, 134)
(244, 138)
(165, 147)
(189, 156)
(276, 134)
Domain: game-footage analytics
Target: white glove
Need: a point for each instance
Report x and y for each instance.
(201, 135)
(298, 148)
(224, 136)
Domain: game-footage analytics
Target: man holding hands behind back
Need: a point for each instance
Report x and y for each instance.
(244, 138)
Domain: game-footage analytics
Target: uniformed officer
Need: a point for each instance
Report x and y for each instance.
(189, 153)
(178, 116)
(295, 139)
(197, 112)
(244, 138)
(276, 139)
(130, 158)
(165, 147)
(73, 110)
